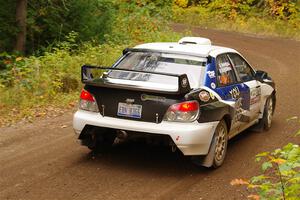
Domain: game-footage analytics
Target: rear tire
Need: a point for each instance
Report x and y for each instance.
(220, 140)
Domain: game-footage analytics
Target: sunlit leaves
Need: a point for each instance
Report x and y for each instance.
(281, 175)
(266, 165)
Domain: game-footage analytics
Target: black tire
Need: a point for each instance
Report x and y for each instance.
(266, 122)
(220, 143)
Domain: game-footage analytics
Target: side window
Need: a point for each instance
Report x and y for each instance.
(225, 71)
(243, 69)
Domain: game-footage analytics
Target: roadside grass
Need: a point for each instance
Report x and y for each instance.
(49, 80)
(29, 111)
(253, 24)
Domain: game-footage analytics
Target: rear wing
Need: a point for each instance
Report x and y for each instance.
(99, 79)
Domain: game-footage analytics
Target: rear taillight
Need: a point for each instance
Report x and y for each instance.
(85, 95)
(87, 102)
(187, 111)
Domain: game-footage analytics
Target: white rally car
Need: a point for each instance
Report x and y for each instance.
(191, 95)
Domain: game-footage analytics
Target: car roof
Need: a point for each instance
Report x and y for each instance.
(195, 46)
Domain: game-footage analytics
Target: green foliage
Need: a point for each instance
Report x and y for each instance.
(138, 22)
(281, 178)
(182, 3)
(283, 9)
(49, 21)
(272, 17)
(8, 28)
(281, 175)
(54, 78)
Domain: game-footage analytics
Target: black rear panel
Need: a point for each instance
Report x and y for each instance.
(154, 105)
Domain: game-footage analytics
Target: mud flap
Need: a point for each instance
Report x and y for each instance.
(207, 160)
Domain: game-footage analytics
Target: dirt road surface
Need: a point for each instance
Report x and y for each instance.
(44, 161)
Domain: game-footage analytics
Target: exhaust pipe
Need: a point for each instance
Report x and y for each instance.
(121, 137)
(173, 146)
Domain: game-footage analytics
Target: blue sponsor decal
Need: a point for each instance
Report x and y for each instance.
(210, 75)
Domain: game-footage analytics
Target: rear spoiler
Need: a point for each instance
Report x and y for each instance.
(88, 79)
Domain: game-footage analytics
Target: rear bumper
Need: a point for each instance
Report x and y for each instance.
(191, 138)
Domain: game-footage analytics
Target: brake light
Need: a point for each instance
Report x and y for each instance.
(87, 102)
(85, 95)
(187, 111)
(186, 106)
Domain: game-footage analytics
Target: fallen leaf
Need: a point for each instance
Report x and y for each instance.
(253, 186)
(40, 114)
(254, 197)
(292, 118)
(239, 182)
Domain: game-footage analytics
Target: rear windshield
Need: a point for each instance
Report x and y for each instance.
(178, 64)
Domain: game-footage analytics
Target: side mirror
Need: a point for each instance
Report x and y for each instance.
(261, 75)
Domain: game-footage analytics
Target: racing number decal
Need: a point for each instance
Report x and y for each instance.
(240, 94)
(235, 93)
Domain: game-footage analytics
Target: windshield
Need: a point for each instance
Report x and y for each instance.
(177, 64)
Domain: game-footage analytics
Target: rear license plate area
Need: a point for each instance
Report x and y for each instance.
(130, 110)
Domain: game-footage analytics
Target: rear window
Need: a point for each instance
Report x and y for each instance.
(178, 64)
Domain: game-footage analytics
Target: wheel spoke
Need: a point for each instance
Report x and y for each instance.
(220, 143)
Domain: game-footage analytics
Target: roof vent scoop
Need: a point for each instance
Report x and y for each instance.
(195, 40)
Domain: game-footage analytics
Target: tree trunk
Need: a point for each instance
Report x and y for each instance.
(21, 15)
(260, 3)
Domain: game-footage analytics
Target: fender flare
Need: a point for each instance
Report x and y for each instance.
(266, 91)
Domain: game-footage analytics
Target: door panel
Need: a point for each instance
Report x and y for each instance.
(238, 96)
(245, 75)
(234, 93)
(254, 101)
